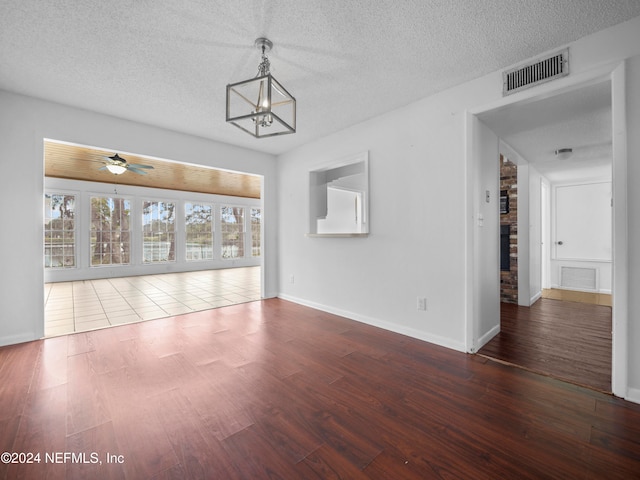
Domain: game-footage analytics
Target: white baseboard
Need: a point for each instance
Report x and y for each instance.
(376, 322)
(535, 298)
(482, 341)
(633, 395)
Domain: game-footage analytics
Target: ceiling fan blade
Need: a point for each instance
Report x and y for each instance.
(136, 170)
(137, 165)
(103, 167)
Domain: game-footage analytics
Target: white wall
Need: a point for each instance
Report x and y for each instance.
(633, 192)
(24, 122)
(416, 243)
(421, 221)
(486, 234)
(535, 235)
(525, 230)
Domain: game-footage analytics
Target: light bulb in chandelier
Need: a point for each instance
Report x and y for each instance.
(264, 105)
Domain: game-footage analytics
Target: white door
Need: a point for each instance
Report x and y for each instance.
(583, 222)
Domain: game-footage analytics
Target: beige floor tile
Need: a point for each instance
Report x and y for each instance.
(176, 309)
(198, 305)
(90, 318)
(236, 298)
(58, 314)
(221, 303)
(153, 314)
(52, 306)
(86, 326)
(91, 304)
(59, 323)
(132, 318)
(88, 311)
(120, 313)
(54, 331)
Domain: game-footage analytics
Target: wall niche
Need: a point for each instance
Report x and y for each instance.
(339, 198)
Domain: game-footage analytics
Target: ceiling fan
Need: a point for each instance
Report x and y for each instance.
(118, 165)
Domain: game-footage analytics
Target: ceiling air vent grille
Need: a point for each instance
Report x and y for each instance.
(535, 73)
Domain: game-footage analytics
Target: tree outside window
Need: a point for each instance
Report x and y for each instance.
(199, 231)
(158, 231)
(232, 229)
(59, 231)
(110, 231)
(256, 240)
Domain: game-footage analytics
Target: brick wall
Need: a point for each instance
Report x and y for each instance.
(509, 184)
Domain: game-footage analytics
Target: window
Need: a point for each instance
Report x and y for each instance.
(232, 228)
(59, 231)
(158, 232)
(199, 231)
(256, 218)
(110, 231)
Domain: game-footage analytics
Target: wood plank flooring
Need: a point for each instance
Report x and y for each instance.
(576, 296)
(276, 390)
(567, 340)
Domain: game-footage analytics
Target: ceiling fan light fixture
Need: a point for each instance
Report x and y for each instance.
(116, 169)
(261, 106)
(118, 165)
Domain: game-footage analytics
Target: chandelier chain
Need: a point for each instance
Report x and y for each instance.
(263, 67)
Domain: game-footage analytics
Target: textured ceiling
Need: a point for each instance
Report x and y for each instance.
(579, 119)
(167, 63)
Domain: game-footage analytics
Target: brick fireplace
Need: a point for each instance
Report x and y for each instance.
(508, 231)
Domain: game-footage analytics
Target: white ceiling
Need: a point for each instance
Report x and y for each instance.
(167, 63)
(579, 119)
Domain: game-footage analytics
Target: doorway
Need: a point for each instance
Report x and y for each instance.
(139, 246)
(481, 331)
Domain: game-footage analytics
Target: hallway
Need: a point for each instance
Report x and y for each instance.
(567, 340)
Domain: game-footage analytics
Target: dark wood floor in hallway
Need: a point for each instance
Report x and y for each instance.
(567, 340)
(276, 390)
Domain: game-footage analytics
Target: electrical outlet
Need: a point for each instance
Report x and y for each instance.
(292, 279)
(422, 303)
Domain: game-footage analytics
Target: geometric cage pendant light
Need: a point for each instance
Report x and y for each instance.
(261, 106)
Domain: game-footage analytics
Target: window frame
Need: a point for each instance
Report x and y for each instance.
(84, 191)
(76, 201)
(155, 200)
(253, 231)
(242, 242)
(212, 232)
(90, 246)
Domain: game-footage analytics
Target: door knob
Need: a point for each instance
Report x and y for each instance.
(560, 242)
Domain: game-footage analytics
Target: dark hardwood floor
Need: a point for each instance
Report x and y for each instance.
(567, 340)
(275, 390)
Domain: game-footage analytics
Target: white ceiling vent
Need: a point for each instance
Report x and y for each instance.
(536, 72)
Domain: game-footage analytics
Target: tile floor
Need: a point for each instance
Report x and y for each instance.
(89, 304)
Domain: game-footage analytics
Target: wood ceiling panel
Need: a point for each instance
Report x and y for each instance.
(76, 162)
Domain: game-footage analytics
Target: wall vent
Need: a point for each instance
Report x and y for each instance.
(536, 72)
(578, 277)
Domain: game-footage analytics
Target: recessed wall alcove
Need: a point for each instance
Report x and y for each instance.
(339, 198)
